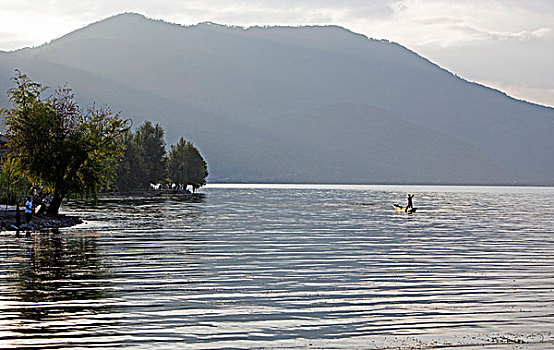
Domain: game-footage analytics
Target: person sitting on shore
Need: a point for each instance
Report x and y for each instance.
(29, 209)
(42, 206)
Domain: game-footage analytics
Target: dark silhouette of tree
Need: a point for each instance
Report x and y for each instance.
(186, 166)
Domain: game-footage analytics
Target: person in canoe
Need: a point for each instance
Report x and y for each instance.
(410, 205)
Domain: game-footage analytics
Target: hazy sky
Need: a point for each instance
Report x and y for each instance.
(508, 44)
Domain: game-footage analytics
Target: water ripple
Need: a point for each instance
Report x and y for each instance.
(287, 267)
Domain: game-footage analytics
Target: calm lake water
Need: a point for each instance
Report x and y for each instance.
(288, 267)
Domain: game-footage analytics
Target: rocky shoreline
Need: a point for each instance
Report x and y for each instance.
(8, 221)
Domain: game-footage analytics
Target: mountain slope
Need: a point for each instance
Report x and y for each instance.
(265, 84)
(388, 148)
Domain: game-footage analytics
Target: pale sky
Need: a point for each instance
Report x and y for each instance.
(506, 44)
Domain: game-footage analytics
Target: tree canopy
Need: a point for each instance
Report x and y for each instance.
(14, 185)
(57, 144)
(52, 142)
(186, 166)
(144, 161)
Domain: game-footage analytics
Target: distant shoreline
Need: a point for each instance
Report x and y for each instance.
(386, 187)
(154, 193)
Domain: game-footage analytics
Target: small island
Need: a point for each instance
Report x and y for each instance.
(53, 150)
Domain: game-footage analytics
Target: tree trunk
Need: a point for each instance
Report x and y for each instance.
(17, 216)
(55, 205)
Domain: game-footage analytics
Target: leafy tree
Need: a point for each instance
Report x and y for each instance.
(144, 161)
(186, 166)
(57, 144)
(130, 170)
(14, 185)
(151, 139)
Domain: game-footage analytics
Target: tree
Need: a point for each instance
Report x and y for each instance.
(130, 170)
(57, 144)
(186, 166)
(144, 161)
(14, 185)
(151, 139)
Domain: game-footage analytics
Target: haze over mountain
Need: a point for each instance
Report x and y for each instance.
(306, 104)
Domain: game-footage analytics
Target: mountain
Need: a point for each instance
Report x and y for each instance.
(299, 104)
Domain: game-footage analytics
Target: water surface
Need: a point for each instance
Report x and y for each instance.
(255, 266)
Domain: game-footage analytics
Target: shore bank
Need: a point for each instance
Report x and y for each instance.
(8, 214)
(8, 221)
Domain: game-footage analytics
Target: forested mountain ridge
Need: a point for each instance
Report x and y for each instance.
(306, 104)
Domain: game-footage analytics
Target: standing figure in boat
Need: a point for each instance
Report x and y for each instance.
(410, 205)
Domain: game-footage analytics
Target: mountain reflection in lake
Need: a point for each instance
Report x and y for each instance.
(296, 266)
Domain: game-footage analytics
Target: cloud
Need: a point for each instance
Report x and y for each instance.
(462, 34)
(541, 95)
(281, 12)
(414, 23)
(13, 40)
(41, 20)
(447, 23)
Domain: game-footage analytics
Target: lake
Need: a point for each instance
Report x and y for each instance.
(288, 266)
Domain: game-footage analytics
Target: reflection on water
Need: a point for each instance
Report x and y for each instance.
(54, 270)
(50, 283)
(271, 267)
